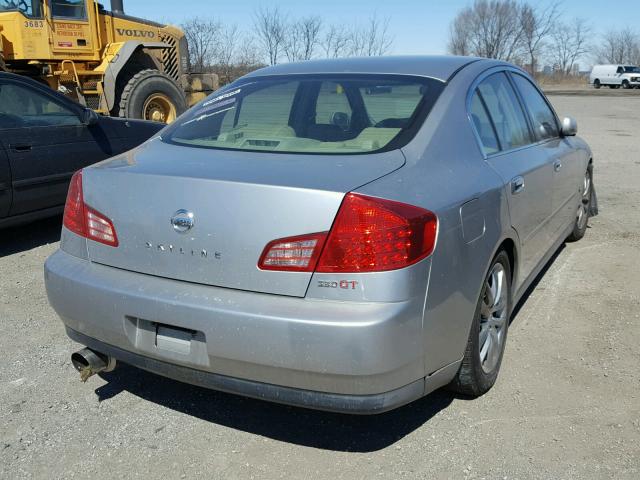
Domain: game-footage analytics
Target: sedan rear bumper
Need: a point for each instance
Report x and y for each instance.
(340, 356)
(354, 404)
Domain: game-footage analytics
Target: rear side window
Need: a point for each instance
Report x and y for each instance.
(328, 114)
(542, 117)
(483, 126)
(24, 107)
(504, 108)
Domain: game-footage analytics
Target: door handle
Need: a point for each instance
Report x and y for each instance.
(517, 185)
(21, 147)
(557, 165)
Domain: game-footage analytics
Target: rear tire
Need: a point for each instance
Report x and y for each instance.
(596, 83)
(488, 335)
(151, 95)
(582, 216)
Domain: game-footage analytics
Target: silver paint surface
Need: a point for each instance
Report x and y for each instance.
(283, 328)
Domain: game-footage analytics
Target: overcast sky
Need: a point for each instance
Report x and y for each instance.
(418, 26)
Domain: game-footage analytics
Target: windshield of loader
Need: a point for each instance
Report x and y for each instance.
(30, 8)
(71, 9)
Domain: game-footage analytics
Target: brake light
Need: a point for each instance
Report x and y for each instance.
(293, 254)
(375, 235)
(84, 220)
(74, 207)
(368, 235)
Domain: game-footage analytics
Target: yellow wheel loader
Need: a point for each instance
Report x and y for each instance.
(116, 64)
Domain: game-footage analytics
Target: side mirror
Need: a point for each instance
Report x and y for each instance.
(89, 117)
(569, 127)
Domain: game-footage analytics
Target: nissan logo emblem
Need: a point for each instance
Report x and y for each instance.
(182, 221)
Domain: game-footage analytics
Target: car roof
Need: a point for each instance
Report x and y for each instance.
(439, 67)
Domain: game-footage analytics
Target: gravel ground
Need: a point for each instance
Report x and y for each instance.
(589, 91)
(566, 405)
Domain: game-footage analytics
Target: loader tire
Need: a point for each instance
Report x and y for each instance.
(151, 95)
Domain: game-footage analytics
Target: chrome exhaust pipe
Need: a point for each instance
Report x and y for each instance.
(89, 362)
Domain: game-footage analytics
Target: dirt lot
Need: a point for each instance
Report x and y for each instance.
(588, 90)
(567, 403)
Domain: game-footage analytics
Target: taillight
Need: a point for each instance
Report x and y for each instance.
(368, 235)
(84, 220)
(376, 235)
(74, 208)
(293, 254)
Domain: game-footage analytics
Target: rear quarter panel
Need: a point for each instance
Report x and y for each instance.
(444, 171)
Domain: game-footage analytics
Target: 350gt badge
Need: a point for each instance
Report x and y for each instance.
(343, 284)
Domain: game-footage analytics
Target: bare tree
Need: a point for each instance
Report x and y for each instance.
(635, 55)
(619, 46)
(460, 34)
(202, 36)
(372, 39)
(270, 28)
(537, 24)
(246, 57)
(336, 41)
(569, 43)
(226, 52)
(488, 28)
(631, 41)
(302, 38)
(293, 42)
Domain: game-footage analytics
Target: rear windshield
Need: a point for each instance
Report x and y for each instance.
(310, 114)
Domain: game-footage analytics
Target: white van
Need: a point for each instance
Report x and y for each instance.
(616, 76)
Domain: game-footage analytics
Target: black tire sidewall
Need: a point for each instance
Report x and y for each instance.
(597, 83)
(147, 86)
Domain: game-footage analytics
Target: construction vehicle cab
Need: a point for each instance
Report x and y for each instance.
(113, 63)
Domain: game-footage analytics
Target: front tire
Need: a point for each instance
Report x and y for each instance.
(582, 215)
(488, 335)
(151, 95)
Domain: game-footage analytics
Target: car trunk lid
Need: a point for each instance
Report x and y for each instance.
(240, 201)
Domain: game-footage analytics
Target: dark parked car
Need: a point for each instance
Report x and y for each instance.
(44, 138)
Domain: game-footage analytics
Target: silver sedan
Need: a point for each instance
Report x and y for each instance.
(346, 235)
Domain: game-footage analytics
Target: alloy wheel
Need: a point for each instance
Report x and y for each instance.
(493, 318)
(583, 209)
